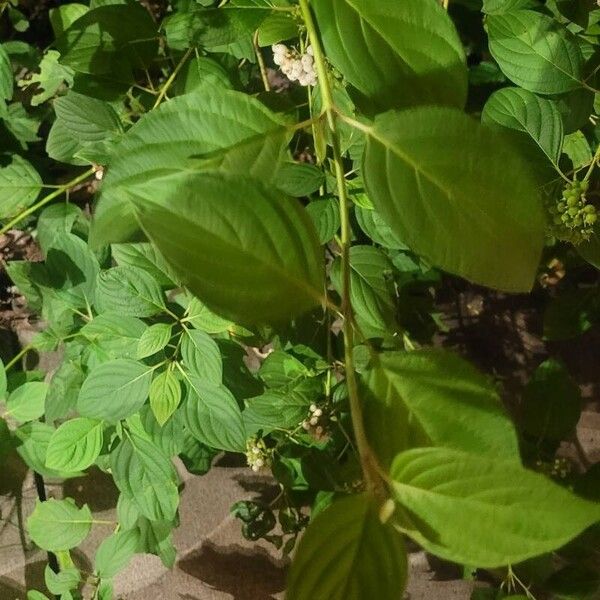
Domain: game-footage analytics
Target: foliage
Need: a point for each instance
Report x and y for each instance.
(234, 208)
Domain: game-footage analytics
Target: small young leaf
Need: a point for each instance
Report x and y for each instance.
(58, 524)
(364, 557)
(115, 552)
(75, 445)
(476, 510)
(154, 339)
(114, 390)
(63, 581)
(165, 395)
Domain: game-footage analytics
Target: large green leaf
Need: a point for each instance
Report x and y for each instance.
(115, 335)
(161, 142)
(213, 416)
(440, 180)
(276, 410)
(433, 397)
(521, 110)
(75, 445)
(379, 48)
(20, 185)
(114, 390)
(348, 554)
(247, 252)
(371, 289)
(58, 525)
(535, 51)
(145, 475)
(483, 511)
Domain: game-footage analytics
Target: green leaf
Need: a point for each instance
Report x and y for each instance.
(75, 445)
(62, 17)
(145, 475)
(277, 27)
(371, 289)
(201, 356)
(551, 404)
(114, 390)
(347, 554)
(115, 552)
(210, 27)
(117, 336)
(54, 221)
(87, 119)
(34, 438)
(238, 222)
(61, 146)
(128, 291)
(325, 215)
(371, 222)
(110, 41)
(63, 581)
(162, 141)
(378, 47)
(484, 511)
(201, 317)
(213, 416)
(577, 148)
(154, 339)
(50, 79)
(538, 118)
(299, 179)
(26, 403)
(275, 410)
(431, 397)
(281, 369)
(488, 228)
(144, 256)
(20, 185)
(58, 524)
(165, 395)
(203, 71)
(6, 75)
(535, 52)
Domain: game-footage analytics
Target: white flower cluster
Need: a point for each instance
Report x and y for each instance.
(257, 454)
(296, 67)
(316, 421)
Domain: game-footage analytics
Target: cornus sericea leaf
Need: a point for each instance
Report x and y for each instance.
(430, 397)
(378, 47)
(535, 52)
(20, 185)
(460, 211)
(347, 554)
(163, 141)
(210, 227)
(59, 524)
(478, 510)
(75, 445)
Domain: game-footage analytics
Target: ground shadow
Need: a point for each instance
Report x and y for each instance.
(96, 489)
(246, 574)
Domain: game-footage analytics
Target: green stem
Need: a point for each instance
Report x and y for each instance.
(15, 359)
(261, 63)
(165, 88)
(364, 450)
(46, 199)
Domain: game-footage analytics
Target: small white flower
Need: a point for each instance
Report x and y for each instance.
(318, 412)
(312, 408)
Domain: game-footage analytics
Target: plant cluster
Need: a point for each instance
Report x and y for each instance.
(192, 204)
